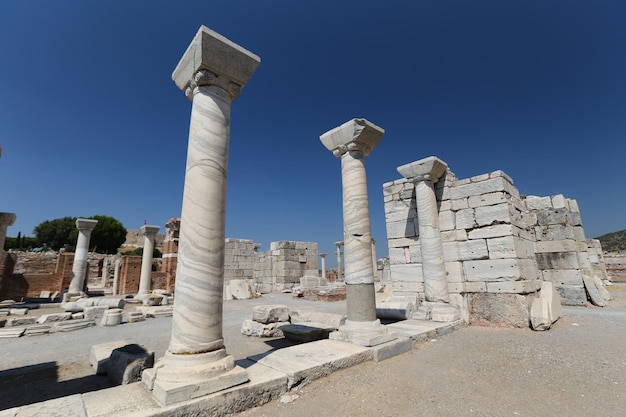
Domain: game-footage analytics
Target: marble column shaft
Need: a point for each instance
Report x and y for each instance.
(79, 267)
(339, 245)
(323, 256)
(433, 265)
(116, 274)
(145, 279)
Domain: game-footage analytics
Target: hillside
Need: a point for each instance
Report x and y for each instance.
(612, 242)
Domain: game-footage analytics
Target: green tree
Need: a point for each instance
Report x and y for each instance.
(56, 233)
(108, 235)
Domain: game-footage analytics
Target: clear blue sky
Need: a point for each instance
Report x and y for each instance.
(91, 123)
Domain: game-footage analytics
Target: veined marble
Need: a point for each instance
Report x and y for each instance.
(425, 173)
(145, 279)
(79, 268)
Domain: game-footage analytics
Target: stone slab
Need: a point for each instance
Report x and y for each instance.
(270, 313)
(51, 318)
(126, 363)
(306, 332)
(119, 401)
(307, 362)
(594, 295)
(391, 349)
(71, 406)
(99, 355)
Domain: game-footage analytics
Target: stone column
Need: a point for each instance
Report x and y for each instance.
(116, 274)
(6, 220)
(145, 279)
(425, 173)
(79, 268)
(374, 259)
(339, 245)
(212, 72)
(105, 270)
(323, 256)
(352, 141)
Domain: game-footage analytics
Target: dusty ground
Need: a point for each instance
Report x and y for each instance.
(578, 368)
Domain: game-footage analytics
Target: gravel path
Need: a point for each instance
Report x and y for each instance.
(578, 368)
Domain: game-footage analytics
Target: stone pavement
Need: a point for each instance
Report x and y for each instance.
(272, 373)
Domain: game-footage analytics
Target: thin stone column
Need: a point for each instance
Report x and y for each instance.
(116, 274)
(323, 256)
(6, 220)
(339, 272)
(352, 141)
(145, 279)
(374, 259)
(79, 268)
(212, 72)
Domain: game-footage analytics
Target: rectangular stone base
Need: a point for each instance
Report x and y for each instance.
(166, 393)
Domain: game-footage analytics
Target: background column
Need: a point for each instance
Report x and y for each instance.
(145, 279)
(6, 220)
(196, 362)
(339, 272)
(79, 268)
(323, 256)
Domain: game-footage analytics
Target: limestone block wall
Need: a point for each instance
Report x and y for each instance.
(239, 259)
(487, 242)
(616, 266)
(284, 264)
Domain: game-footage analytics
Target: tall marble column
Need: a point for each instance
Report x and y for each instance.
(212, 72)
(424, 173)
(351, 142)
(116, 273)
(323, 256)
(145, 279)
(374, 259)
(79, 268)
(339, 245)
(6, 220)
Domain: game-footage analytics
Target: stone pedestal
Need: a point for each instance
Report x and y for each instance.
(145, 279)
(6, 220)
(424, 173)
(352, 141)
(79, 268)
(211, 73)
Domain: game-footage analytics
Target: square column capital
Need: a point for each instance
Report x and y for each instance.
(221, 61)
(354, 135)
(147, 230)
(429, 169)
(86, 224)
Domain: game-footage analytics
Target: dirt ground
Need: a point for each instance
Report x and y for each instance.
(577, 368)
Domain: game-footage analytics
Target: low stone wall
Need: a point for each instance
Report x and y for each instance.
(616, 266)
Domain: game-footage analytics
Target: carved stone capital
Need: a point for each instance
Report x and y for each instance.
(427, 169)
(7, 219)
(356, 135)
(86, 224)
(147, 230)
(211, 59)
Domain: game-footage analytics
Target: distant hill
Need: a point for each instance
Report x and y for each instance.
(612, 242)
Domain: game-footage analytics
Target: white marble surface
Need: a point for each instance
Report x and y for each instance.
(146, 261)
(79, 267)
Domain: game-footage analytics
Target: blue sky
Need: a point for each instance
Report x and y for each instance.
(91, 123)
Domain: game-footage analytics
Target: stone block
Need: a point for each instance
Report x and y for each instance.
(51, 318)
(20, 321)
(408, 272)
(491, 185)
(557, 246)
(111, 317)
(74, 324)
(478, 286)
(95, 312)
(37, 329)
(391, 349)
(559, 201)
(492, 231)
(552, 216)
(256, 329)
(594, 294)
(557, 260)
(464, 251)
(455, 272)
(506, 247)
(507, 309)
(18, 311)
(489, 199)
(513, 287)
(555, 232)
(99, 355)
(572, 295)
(126, 364)
(494, 270)
(453, 235)
(446, 221)
(564, 277)
(401, 229)
(241, 289)
(7, 332)
(399, 255)
(306, 332)
(538, 203)
(270, 313)
(330, 319)
(395, 310)
(488, 215)
(465, 219)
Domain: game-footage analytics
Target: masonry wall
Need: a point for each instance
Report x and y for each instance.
(616, 266)
(496, 250)
(239, 259)
(284, 264)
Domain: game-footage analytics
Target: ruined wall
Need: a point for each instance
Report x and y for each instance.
(130, 272)
(616, 266)
(284, 264)
(496, 249)
(239, 259)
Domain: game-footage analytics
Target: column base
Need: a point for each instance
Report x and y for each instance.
(368, 333)
(437, 311)
(179, 378)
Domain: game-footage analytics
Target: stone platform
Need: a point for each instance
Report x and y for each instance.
(271, 375)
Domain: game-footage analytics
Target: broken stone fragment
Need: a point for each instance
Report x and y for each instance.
(270, 313)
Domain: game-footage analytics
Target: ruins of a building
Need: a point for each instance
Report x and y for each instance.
(497, 246)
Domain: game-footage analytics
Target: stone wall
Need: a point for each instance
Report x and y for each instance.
(239, 259)
(284, 264)
(496, 250)
(616, 266)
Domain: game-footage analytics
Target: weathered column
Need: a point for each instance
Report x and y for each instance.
(212, 72)
(352, 141)
(116, 274)
(105, 275)
(323, 256)
(79, 268)
(338, 245)
(374, 259)
(424, 173)
(6, 220)
(145, 279)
